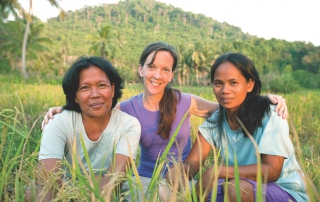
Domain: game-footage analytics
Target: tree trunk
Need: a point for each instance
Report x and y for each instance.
(197, 74)
(24, 51)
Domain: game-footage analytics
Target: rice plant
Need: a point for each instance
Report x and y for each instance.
(23, 105)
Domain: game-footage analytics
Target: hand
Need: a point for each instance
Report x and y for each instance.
(207, 181)
(49, 115)
(281, 108)
(176, 175)
(170, 175)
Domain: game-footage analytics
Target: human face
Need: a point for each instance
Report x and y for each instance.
(230, 86)
(157, 75)
(95, 93)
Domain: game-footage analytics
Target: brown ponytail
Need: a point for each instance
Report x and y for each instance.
(168, 108)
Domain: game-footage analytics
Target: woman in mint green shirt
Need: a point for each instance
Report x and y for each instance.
(237, 87)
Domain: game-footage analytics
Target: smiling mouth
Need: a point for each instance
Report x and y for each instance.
(155, 84)
(96, 105)
(226, 100)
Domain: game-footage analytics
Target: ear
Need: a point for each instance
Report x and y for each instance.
(113, 86)
(76, 100)
(140, 70)
(172, 76)
(250, 85)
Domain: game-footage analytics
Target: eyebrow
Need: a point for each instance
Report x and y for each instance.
(233, 79)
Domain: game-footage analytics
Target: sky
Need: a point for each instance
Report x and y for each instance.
(290, 20)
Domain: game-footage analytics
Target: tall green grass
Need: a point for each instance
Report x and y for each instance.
(22, 104)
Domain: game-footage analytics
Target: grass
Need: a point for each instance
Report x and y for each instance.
(22, 106)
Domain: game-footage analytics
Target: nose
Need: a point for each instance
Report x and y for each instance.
(95, 93)
(225, 89)
(157, 73)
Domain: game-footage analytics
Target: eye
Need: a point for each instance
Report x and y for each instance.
(83, 87)
(167, 70)
(151, 67)
(102, 85)
(217, 83)
(233, 83)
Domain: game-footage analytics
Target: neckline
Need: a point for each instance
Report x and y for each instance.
(105, 129)
(153, 109)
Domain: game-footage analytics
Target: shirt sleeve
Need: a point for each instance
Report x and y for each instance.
(54, 139)
(128, 143)
(275, 137)
(209, 129)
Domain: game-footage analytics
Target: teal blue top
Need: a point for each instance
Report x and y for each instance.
(272, 138)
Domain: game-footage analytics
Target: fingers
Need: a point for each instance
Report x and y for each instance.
(282, 108)
(49, 115)
(285, 113)
(42, 125)
(45, 120)
(274, 99)
(51, 112)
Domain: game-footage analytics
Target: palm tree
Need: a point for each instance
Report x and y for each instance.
(182, 70)
(104, 42)
(36, 43)
(13, 6)
(198, 58)
(10, 6)
(28, 17)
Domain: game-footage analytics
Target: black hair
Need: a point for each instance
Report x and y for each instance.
(70, 83)
(253, 108)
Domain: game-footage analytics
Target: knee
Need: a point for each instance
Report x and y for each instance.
(164, 193)
(245, 189)
(28, 196)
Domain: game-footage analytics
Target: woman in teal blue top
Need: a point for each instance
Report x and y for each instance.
(237, 87)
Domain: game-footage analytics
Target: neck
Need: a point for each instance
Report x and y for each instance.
(231, 117)
(95, 126)
(151, 102)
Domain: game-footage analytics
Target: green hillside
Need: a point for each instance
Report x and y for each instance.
(136, 23)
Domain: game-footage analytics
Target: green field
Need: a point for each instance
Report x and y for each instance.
(22, 106)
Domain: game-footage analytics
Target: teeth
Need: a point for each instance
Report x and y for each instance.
(156, 84)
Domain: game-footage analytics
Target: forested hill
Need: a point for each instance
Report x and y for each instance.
(119, 32)
(140, 22)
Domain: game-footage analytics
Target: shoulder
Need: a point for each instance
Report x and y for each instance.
(209, 128)
(274, 134)
(185, 98)
(124, 124)
(131, 101)
(213, 119)
(272, 115)
(122, 117)
(66, 117)
(134, 98)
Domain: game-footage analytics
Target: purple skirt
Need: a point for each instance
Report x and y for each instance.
(273, 192)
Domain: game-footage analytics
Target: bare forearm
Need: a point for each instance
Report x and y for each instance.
(46, 188)
(250, 172)
(44, 196)
(201, 107)
(190, 171)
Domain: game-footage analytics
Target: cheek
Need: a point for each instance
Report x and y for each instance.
(215, 91)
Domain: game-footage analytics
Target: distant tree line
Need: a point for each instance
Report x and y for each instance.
(120, 31)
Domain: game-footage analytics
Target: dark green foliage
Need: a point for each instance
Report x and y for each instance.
(140, 22)
(284, 83)
(306, 79)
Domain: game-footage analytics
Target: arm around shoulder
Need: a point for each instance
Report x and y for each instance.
(201, 107)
